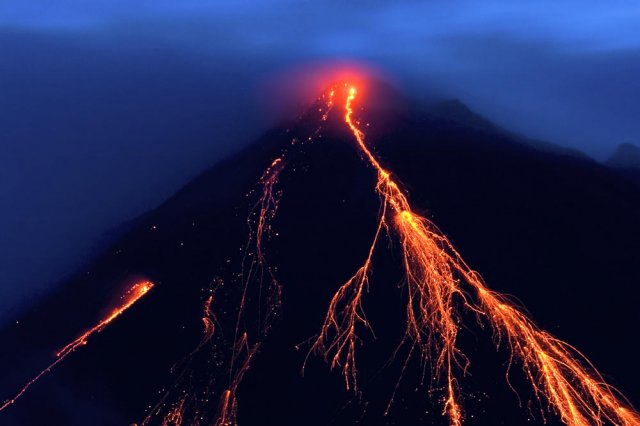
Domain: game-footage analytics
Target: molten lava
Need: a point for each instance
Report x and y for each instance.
(135, 293)
(439, 284)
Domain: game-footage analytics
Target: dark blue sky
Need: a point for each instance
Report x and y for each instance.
(109, 106)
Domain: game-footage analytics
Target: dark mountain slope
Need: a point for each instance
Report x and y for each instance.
(558, 232)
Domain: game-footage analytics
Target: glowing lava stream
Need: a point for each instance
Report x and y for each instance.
(435, 273)
(137, 291)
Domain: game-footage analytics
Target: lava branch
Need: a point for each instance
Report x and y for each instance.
(432, 321)
(435, 274)
(135, 293)
(558, 372)
(338, 334)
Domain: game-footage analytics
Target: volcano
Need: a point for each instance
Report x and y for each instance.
(274, 231)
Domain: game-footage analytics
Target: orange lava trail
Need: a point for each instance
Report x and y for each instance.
(435, 275)
(137, 291)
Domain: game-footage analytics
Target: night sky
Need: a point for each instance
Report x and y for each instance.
(107, 107)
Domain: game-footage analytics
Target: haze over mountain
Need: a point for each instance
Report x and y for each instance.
(559, 232)
(109, 106)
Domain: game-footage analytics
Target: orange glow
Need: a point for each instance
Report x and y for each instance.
(137, 291)
(282, 92)
(439, 284)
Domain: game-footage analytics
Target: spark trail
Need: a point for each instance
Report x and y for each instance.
(135, 293)
(174, 413)
(258, 302)
(255, 270)
(440, 283)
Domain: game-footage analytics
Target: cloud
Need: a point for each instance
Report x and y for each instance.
(120, 89)
(588, 23)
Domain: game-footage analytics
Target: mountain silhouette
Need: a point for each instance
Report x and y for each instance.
(626, 156)
(557, 231)
(626, 161)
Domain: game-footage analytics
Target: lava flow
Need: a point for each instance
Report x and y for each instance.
(440, 283)
(137, 291)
